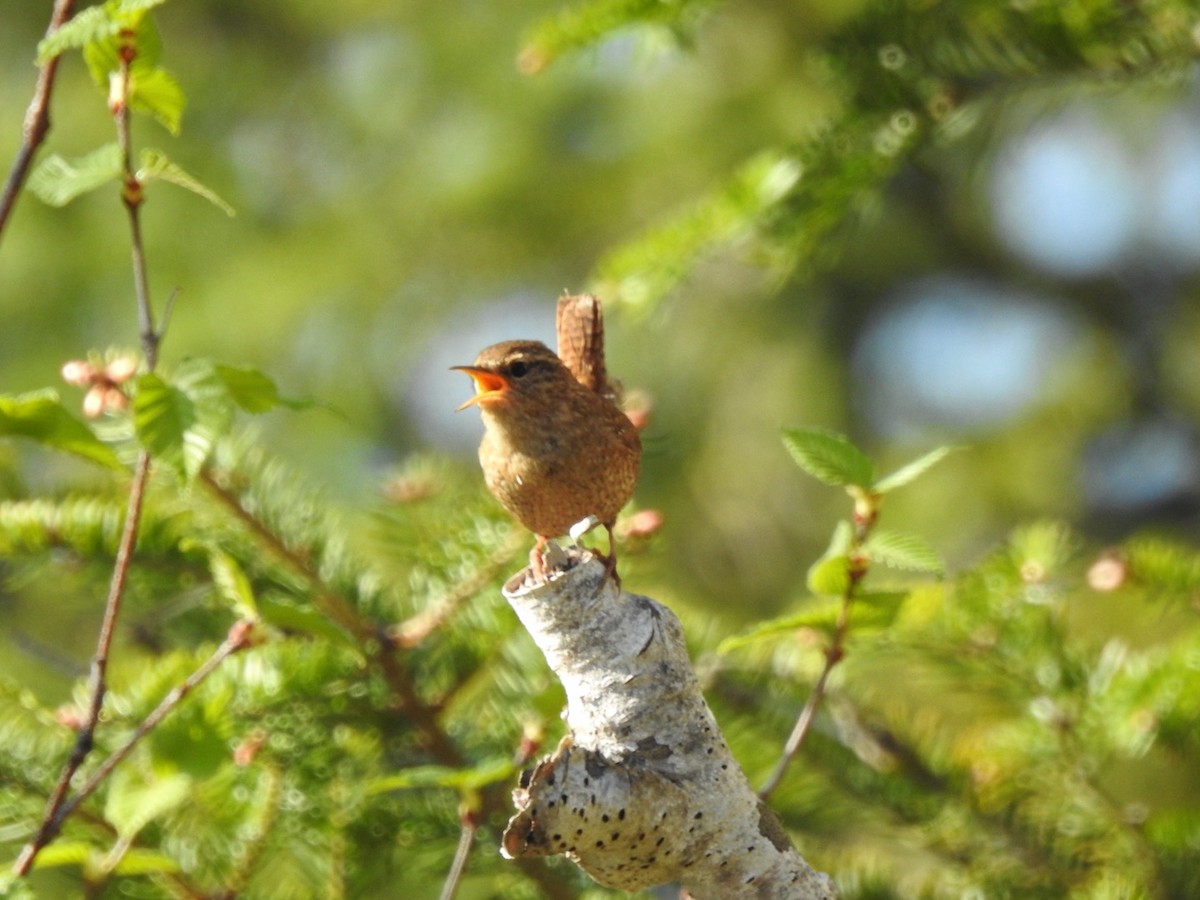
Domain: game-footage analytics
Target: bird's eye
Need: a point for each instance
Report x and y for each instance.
(518, 369)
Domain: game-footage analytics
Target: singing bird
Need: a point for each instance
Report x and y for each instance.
(556, 447)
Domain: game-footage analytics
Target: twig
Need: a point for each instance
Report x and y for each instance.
(800, 731)
(37, 118)
(866, 514)
(132, 197)
(466, 838)
(413, 630)
(239, 638)
(57, 808)
(53, 818)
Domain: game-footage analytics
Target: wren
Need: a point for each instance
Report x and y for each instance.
(556, 447)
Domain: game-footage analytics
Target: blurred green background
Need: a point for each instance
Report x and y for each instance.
(405, 196)
(1023, 284)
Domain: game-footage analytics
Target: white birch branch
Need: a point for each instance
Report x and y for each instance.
(644, 790)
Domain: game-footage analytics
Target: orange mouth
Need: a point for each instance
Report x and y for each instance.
(488, 385)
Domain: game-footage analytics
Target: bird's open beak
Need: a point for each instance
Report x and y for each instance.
(487, 384)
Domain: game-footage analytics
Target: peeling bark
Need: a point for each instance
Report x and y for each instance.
(644, 790)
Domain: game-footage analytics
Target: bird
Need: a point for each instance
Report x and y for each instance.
(556, 447)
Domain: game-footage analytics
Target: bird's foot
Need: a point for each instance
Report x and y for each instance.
(582, 527)
(537, 562)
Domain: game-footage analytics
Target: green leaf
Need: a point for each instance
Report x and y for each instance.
(232, 583)
(162, 415)
(828, 457)
(133, 803)
(137, 861)
(58, 181)
(92, 26)
(155, 165)
(65, 853)
(903, 551)
(40, 416)
(180, 423)
(88, 26)
(912, 470)
(130, 32)
(129, 6)
(830, 576)
(253, 391)
(155, 91)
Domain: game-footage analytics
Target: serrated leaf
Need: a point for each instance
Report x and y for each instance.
(156, 165)
(131, 31)
(39, 416)
(93, 25)
(88, 26)
(155, 91)
(912, 470)
(828, 457)
(133, 803)
(841, 539)
(903, 551)
(253, 391)
(162, 414)
(58, 181)
(181, 423)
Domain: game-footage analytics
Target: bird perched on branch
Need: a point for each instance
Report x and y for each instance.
(556, 446)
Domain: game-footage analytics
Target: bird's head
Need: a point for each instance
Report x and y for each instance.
(511, 369)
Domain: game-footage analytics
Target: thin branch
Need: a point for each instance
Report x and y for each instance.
(413, 630)
(239, 638)
(804, 722)
(58, 808)
(466, 838)
(53, 817)
(132, 197)
(37, 119)
(866, 514)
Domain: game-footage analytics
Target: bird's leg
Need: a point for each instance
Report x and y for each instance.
(537, 565)
(610, 561)
(582, 527)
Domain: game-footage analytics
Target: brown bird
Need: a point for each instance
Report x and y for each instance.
(554, 451)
